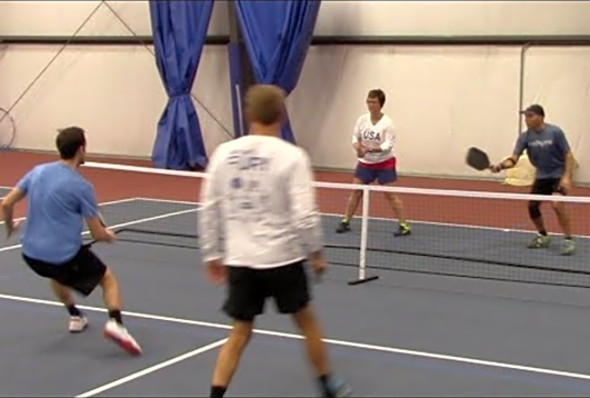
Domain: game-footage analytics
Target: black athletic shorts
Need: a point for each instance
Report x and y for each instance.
(82, 273)
(547, 186)
(249, 288)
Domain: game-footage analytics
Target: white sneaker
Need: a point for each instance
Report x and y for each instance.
(78, 324)
(119, 335)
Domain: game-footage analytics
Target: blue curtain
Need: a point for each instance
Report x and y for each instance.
(277, 35)
(179, 31)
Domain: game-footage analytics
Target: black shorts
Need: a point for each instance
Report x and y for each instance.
(82, 273)
(547, 186)
(249, 288)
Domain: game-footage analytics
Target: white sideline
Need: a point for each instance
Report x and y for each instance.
(343, 343)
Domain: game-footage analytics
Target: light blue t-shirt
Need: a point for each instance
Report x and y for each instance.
(58, 201)
(546, 150)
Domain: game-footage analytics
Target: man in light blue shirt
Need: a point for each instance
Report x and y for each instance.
(59, 200)
(550, 153)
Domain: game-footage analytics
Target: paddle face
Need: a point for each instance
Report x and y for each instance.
(477, 159)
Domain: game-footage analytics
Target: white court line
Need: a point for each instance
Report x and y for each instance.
(125, 224)
(152, 369)
(372, 347)
(108, 203)
(15, 219)
(442, 224)
(180, 202)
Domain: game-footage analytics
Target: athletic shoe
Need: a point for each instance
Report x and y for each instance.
(403, 230)
(568, 247)
(338, 388)
(78, 323)
(540, 242)
(119, 335)
(344, 226)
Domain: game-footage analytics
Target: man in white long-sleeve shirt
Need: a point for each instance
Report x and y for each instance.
(259, 199)
(373, 140)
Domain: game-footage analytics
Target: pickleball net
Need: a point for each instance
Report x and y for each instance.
(468, 234)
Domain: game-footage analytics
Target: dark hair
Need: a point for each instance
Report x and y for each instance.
(69, 140)
(379, 94)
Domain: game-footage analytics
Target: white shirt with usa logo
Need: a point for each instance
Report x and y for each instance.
(378, 135)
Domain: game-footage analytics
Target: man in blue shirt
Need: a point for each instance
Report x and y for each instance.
(59, 200)
(550, 153)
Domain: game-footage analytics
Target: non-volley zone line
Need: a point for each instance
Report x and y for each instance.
(342, 343)
(122, 225)
(435, 223)
(109, 203)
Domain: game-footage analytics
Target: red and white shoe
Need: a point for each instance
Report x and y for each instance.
(78, 324)
(119, 335)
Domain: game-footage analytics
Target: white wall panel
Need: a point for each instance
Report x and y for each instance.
(442, 98)
(349, 18)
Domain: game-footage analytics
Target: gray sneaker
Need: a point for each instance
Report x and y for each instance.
(568, 247)
(338, 388)
(540, 242)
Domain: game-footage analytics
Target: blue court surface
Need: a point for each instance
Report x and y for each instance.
(406, 334)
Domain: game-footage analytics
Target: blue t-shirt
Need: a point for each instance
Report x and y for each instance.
(58, 201)
(546, 150)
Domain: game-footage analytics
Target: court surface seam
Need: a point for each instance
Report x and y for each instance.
(344, 343)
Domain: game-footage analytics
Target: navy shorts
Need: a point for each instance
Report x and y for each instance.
(368, 174)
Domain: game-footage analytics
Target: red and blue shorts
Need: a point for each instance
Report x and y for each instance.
(384, 172)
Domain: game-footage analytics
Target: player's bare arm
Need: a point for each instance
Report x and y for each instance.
(8, 204)
(566, 180)
(507, 163)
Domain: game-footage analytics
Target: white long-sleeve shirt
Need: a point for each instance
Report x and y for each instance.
(378, 135)
(258, 204)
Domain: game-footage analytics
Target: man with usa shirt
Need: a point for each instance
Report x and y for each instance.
(373, 140)
(550, 153)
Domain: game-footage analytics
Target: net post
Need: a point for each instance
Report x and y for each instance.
(362, 275)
